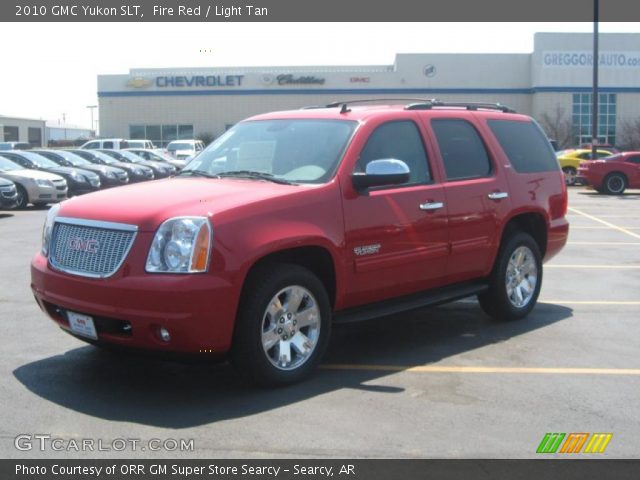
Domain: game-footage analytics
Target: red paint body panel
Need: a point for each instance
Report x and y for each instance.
(594, 172)
(414, 250)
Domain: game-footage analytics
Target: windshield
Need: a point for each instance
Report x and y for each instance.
(39, 160)
(6, 165)
(103, 157)
(132, 157)
(299, 151)
(160, 156)
(73, 159)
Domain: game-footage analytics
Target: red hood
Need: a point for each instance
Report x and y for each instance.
(149, 204)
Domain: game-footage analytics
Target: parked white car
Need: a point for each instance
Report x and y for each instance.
(110, 143)
(185, 149)
(145, 144)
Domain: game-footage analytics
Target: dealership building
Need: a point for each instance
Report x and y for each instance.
(553, 84)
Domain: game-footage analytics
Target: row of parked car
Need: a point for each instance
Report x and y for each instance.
(610, 171)
(42, 176)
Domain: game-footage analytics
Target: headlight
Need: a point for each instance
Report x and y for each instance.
(78, 178)
(181, 245)
(44, 183)
(138, 171)
(110, 175)
(48, 228)
(94, 180)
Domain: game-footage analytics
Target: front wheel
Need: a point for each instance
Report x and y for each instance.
(23, 197)
(283, 325)
(515, 282)
(614, 184)
(570, 175)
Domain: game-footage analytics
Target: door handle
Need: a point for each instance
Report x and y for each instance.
(431, 205)
(498, 195)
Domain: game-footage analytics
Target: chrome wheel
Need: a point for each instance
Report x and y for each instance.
(570, 175)
(290, 327)
(522, 277)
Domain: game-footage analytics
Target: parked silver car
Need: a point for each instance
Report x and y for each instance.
(34, 186)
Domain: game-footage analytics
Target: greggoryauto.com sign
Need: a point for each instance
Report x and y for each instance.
(626, 59)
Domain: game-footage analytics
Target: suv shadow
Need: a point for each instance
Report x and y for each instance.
(177, 395)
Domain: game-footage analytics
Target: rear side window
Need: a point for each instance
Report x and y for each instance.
(107, 144)
(525, 145)
(462, 150)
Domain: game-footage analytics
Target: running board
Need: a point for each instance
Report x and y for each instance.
(393, 306)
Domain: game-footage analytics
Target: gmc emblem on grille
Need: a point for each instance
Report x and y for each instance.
(82, 245)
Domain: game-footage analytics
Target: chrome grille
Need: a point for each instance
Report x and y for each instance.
(8, 192)
(90, 248)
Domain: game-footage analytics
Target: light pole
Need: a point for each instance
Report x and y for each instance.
(594, 94)
(91, 107)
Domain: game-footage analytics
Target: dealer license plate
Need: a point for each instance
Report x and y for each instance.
(82, 325)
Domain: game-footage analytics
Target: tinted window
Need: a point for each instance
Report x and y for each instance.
(635, 159)
(107, 144)
(525, 145)
(93, 145)
(462, 150)
(401, 141)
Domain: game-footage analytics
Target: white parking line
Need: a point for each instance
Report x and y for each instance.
(481, 369)
(612, 267)
(591, 302)
(621, 244)
(604, 222)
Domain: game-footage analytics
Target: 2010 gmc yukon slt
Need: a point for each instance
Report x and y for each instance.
(292, 221)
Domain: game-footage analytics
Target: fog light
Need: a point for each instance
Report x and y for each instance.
(164, 334)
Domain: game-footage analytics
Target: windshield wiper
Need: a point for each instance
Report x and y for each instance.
(253, 174)
(196, 173)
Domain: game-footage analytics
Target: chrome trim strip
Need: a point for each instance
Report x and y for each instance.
(97, 224)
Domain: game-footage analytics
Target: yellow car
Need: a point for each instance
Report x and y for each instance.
(570, 159)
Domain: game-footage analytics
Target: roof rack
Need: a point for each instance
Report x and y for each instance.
(422, 104)
(344, 104)
(429, 104)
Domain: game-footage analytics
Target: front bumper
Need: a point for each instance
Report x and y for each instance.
(128, 309)
(8, 198)
(41, 194)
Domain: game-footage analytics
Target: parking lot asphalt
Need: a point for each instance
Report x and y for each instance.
(443, 382)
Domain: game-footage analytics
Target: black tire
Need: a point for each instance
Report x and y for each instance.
(23, 198)
(248, 354)
(614, 184)
(570, 174)
(40, 205)
(496, 301)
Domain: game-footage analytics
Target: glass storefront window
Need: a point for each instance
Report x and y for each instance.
(582, 117)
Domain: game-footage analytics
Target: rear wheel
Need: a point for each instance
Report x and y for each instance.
(23, 198)
(614, 184)
(515, 282)
(570, 175)
(283, 325)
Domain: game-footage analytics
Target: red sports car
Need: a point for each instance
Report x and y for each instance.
(612, 175)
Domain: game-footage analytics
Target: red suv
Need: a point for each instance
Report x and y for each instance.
(293, 221)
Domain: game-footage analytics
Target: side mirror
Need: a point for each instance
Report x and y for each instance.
(388, 171)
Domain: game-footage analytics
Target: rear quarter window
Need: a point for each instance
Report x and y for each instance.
(525, 145)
